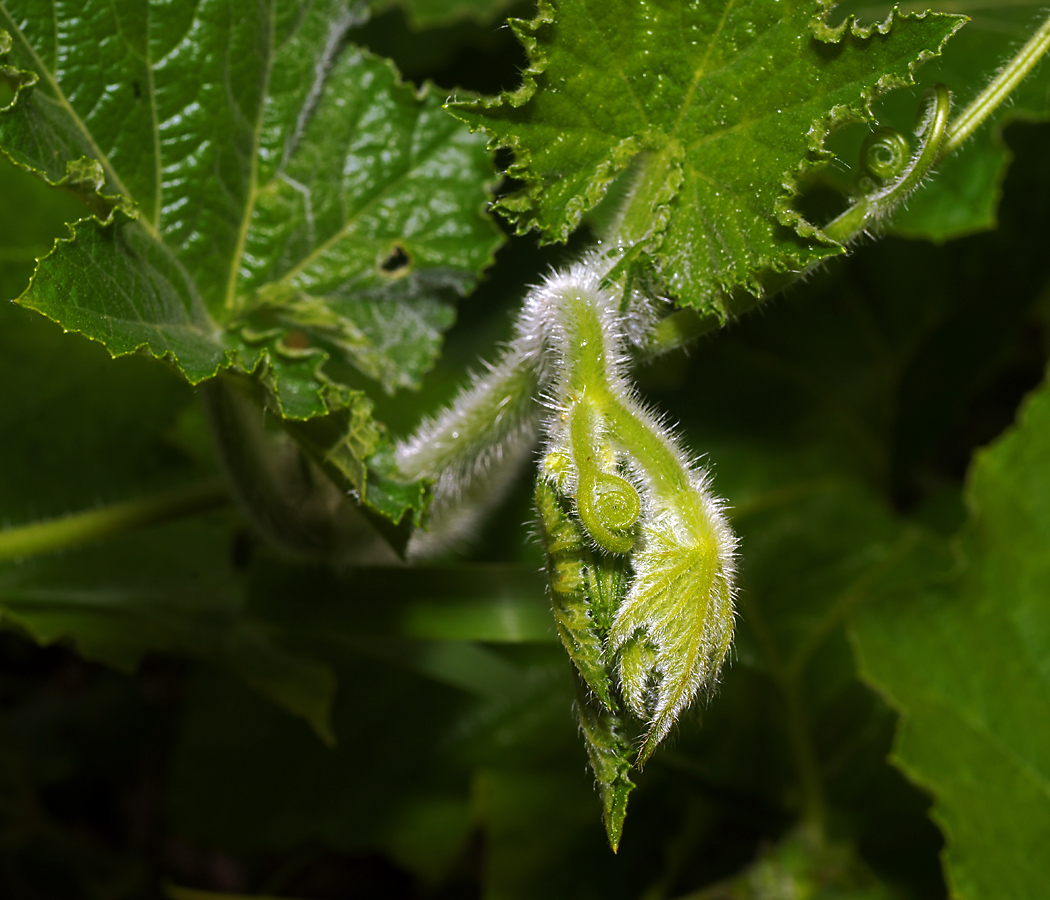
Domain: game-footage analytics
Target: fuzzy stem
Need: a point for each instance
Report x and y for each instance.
(474, 447)
(675, 623)
(485, 416)
(993, 96)
(289, 501)
(647, 448)
(78, 529)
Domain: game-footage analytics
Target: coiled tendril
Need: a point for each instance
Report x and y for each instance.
(608, 505)
(885, 152)
(883, 155)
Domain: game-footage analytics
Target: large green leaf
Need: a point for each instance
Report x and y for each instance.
(281, 184)
(960, 643)
(717, 105)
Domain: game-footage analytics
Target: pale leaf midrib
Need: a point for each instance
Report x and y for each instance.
(701, 69)
(158, 196)
(253, 179)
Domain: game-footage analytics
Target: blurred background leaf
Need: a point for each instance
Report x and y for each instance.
(958, 642)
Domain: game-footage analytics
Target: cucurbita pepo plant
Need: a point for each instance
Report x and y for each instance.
(271, 211)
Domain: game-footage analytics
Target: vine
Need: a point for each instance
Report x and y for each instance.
(640, 556)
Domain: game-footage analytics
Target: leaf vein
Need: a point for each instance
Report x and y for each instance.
(64, 102)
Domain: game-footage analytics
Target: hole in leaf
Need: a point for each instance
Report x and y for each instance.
(297, 340)
(397, 261)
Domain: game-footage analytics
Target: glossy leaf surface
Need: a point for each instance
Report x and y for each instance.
(285, 187)
(717, 107)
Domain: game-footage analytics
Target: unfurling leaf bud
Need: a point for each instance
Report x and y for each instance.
(617, 495)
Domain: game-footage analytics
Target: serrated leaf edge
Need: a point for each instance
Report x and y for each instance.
(845, 114)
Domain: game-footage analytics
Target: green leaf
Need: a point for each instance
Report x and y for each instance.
(612, 756)
(959, 641)
(286, 188)
(716, 106)
(88, 431)
(170, 590)
(81, 431)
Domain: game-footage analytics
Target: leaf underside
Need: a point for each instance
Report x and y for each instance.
(93, 431)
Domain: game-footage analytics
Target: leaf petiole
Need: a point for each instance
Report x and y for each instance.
(77, 529)
(993, 96)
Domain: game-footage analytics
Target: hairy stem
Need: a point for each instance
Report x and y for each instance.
(473, 449)
(647, 448)
(289, 500)
(489, 414)
(993, 96)
(78, 529)
(673, 628)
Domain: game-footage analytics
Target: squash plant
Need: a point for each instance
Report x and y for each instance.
(242, 457)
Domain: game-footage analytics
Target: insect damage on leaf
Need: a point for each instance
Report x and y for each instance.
(297, 211)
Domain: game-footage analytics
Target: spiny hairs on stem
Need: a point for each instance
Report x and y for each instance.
(474, 447)
(620, 480)
(472, 450)
(670, 634)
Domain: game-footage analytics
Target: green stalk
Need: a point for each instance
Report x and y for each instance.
(289, 501)
(855, 220)
(993, 96)
(78, 529)
(649, 450)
